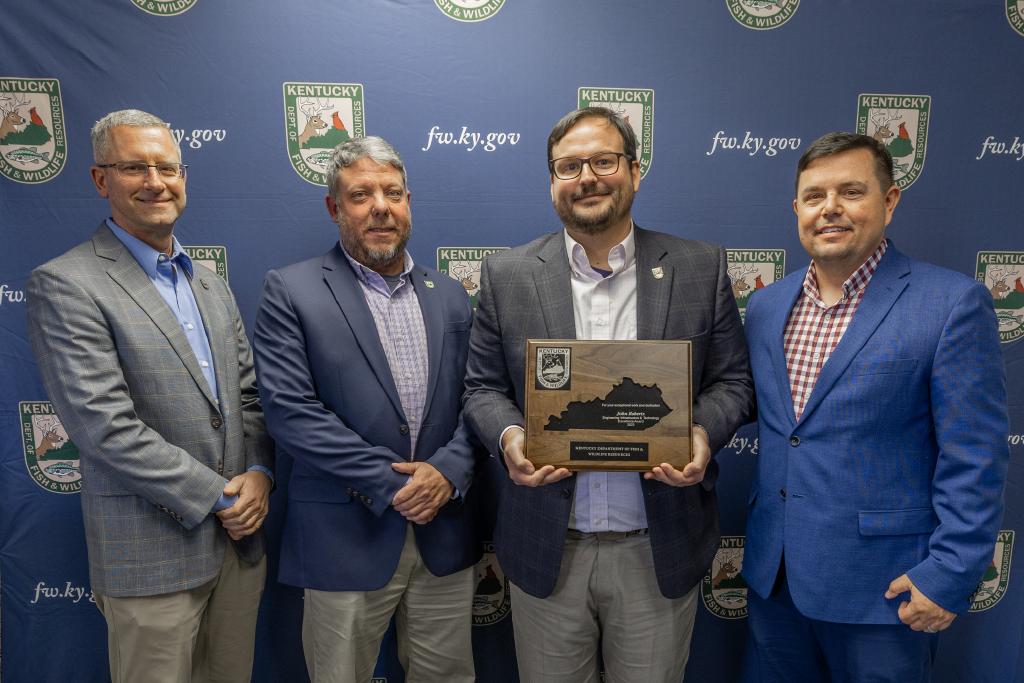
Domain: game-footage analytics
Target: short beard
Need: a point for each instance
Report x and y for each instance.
(592, 225)
(374, 259)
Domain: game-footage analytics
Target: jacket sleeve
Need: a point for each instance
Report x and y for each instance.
(77, 356)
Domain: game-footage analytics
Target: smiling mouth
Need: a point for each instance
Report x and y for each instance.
(832, 230)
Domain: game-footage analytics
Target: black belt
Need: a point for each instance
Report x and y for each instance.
(577, 535)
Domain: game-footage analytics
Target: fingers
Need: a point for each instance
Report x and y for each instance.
(692, 473)
(523, 473)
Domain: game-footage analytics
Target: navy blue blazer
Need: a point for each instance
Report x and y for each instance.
(898, 461)
(332, 405)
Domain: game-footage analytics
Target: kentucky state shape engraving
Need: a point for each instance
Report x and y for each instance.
(628, 406)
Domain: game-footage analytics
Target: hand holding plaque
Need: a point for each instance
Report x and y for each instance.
(610, 405)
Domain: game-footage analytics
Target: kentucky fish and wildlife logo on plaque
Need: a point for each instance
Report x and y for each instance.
(492, 600)
(1002, 273)
(553, 368)
(463, 265)
(723, 589)
(1015, 15)
(319, 116)
(164, 8)
(753, 269)
(636, 105)
(900, 122)
(33, 141)
(469, 10)
(762, 15)
(214, 258)
(50, 456)
(997, 576)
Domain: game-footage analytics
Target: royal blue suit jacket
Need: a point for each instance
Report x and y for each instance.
(898, 461)
(332, 405)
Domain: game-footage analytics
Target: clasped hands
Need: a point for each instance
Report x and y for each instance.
(250, 510)
(424, 494)
(523, 472)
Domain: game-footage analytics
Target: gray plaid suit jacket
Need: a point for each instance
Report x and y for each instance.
(156, 446)
(525, 293)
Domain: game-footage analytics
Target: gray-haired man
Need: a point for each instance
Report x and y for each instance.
(145, 358)
(361, 355)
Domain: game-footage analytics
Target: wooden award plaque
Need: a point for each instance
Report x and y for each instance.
(608, 405)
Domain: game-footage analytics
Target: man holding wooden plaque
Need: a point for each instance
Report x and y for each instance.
(605, 556)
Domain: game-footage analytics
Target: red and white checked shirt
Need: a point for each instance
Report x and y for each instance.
(814, 330)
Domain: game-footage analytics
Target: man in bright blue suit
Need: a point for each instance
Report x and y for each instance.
(882, 417)
(361, 355)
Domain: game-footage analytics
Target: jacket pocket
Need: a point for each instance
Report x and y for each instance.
(897, 522)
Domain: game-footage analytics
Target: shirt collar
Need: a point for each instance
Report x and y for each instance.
(857, 281)
(148, 257)
(372, 277)
(620, 256)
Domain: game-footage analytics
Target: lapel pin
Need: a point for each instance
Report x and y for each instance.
(658, 272)
(429, 284)
(204, 283)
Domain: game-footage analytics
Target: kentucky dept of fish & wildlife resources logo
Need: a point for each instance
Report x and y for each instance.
(50, 456)
(753, 269)
(997, 576)
(1002, 273)
(492, 600)
(1015, 15)
(723, 588)
(553, 371)
(469, 10)
(900, 122)
(214, 258)
(463, 264)
(33, 141)
(164, 8)
(317, 117)
(762, 15)
(636, 105)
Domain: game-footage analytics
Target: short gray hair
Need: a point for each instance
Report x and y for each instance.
(100, 134)
(351, 151)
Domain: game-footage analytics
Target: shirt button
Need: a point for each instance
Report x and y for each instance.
(815, 356)
(203, 364)
(794, 440)
(782, 493)
(190, 326)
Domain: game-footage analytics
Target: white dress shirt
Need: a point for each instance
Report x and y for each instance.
(605, 308)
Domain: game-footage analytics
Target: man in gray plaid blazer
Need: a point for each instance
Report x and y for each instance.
(603, 557)
(145, 358)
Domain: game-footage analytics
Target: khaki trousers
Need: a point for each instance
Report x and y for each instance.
(202, 635)
(342, 630)
(606, 593)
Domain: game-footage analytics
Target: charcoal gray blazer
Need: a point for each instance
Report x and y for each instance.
(156, 446)
(525, 293)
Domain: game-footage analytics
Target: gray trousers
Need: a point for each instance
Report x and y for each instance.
(606, 593)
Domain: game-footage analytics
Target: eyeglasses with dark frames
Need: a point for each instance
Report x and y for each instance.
(605, 163)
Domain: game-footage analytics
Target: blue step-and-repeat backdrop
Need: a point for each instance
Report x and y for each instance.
(724, 96)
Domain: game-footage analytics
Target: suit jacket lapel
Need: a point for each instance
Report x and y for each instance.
(127, 273)
(653, 286)
(790, 290)
(433, 323)
(885, 287)
(350, 299)
(554, 289)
